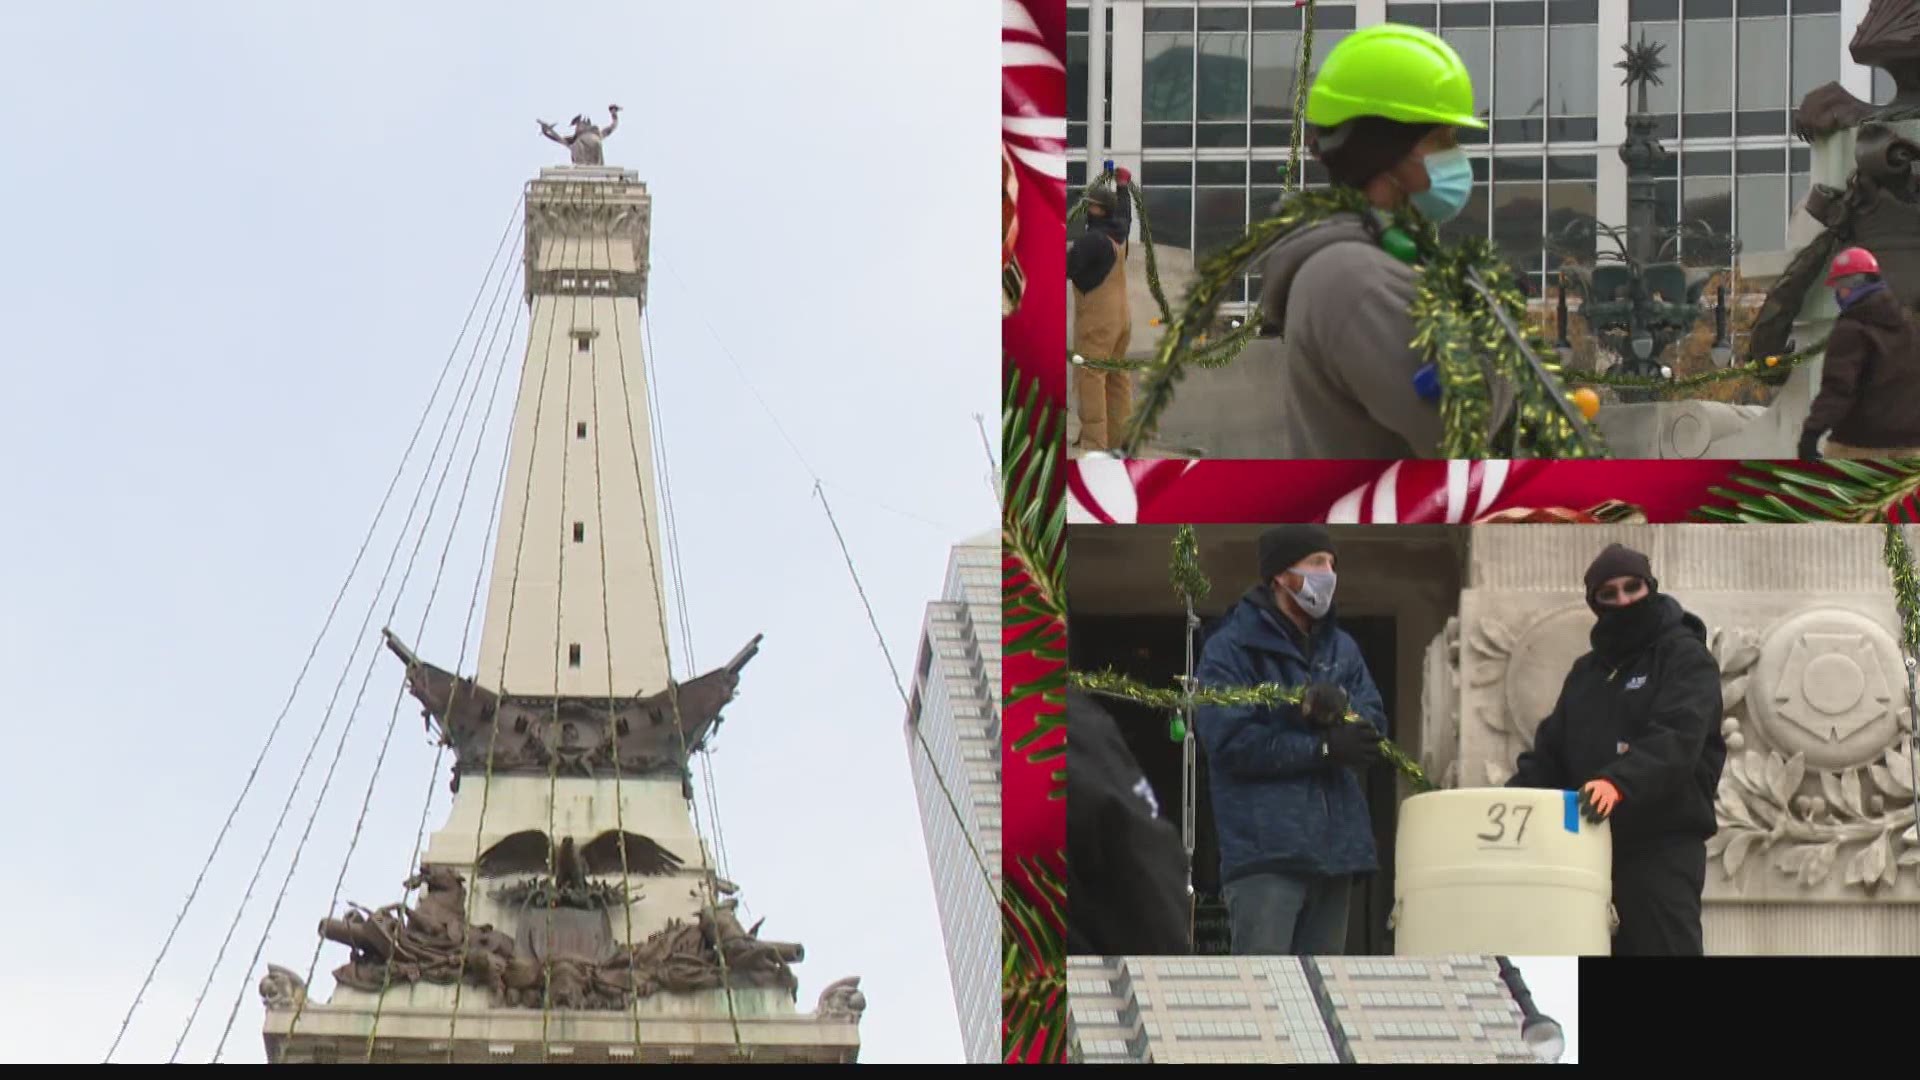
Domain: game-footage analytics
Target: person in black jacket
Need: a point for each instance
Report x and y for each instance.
(1126, 866)
(1637, 732)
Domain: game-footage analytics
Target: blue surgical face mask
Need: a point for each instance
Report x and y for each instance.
(1449, 185)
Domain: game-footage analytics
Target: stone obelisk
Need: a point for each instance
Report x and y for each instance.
(567, 910)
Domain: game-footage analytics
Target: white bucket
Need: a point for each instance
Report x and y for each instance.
(1503, 871)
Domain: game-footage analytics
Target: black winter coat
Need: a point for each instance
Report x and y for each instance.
(1126, 866)
(1642, 711)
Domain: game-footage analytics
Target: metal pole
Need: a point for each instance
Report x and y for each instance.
(1189, 781)
(1096, 86)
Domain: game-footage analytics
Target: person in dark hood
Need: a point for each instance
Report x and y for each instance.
(1637, 732)
(1126, 864)
(1102, 318)
(1288, 807)
(1869, 401)
(1382, 116)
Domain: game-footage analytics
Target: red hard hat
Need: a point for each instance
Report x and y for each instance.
(1854, 260)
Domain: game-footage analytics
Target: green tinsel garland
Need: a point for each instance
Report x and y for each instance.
(1753, 369)
(1266, 695)
(1472, 341)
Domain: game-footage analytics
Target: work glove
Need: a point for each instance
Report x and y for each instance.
(1354, 745)
(1810, 446)
(1324, 705)
(1598, 800)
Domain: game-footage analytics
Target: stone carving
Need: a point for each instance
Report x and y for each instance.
(1530, 666)
(842, 1000)
(1763, 805)
(282, 989)
(565, 880)
(1833, 779)
(573, 965)
(1440, 708)
(586, 144)
(1879, 207)
(575, 736)
(1821, 688)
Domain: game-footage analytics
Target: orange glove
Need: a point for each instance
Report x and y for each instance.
(1598, 799)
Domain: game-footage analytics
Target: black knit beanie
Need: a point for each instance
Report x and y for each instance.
(1282, 547)
(1618, 560)
(1362, 148)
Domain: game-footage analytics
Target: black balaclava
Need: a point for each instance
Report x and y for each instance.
(1362, 148)
(1621, 631)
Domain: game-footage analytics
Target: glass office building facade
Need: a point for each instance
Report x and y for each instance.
(956, 708)
(1201, 98)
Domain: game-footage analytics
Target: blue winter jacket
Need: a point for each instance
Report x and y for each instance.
(1278, 805)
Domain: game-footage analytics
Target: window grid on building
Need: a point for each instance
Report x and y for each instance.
(1216, 82)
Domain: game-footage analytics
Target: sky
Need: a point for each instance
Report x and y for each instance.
(243, 241)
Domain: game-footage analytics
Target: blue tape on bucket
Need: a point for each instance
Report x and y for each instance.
(1573, 812)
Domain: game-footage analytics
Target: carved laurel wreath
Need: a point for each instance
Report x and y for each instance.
(1761, 805)
(1864, 812)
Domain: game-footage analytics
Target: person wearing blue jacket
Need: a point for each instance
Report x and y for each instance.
(1288, 808)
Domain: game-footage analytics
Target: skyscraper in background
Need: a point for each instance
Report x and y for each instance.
(1293, 1010)
(956, 709)
(1200, 102)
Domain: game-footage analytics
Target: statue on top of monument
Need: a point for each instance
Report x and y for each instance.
(586, 141)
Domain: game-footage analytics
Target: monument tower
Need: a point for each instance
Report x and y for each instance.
(568, 910)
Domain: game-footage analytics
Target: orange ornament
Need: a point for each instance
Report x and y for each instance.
(1588, 402)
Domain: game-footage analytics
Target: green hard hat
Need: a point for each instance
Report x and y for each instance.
(1396, 72)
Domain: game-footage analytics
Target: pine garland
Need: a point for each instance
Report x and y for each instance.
(1217, 355)
(1189, 580)
(1768, 367)
(1266, 695)
(1906, 589)
(1470, 321)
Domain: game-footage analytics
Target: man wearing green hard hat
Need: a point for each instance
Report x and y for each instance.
(1381, 117)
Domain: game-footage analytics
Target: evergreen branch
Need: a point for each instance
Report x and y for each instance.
(1906, 588)
(1033, 570)
(1033, 967)
(1034, 525)
(1189, 580)
(1795, 493)
(1111, 684)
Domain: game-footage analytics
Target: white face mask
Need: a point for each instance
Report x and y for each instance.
(1315, 595)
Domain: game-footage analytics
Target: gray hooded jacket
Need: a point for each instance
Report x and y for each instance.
(1342, 374)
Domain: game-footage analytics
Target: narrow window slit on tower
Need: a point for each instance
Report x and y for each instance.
(579, 531)
(580, 430)
(580, 343)
(573, 656)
